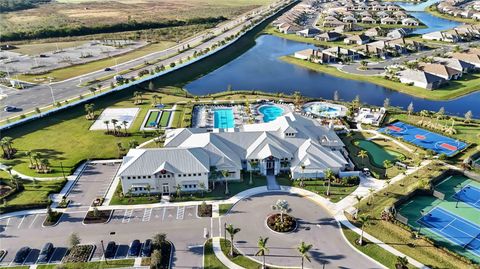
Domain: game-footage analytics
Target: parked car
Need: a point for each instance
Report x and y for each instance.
(108, 69)
(134, 248)
(366, 172)
(147, 248)
(21, 255)
(10, 108)
(45, 253)
(110, 250)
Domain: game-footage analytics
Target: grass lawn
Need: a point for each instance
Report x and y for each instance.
(34, 195)
(377, 153)
(210, 261)
(238, 258)
(397, 236)
(164, 118)
(465, 85)
(319, 187)
(77, 70)
(374, 251)
(92, 265)
(377, 171)
(224, 208)
(17, 267)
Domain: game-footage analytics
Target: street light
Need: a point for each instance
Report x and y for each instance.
(103, 249)
(51, 91)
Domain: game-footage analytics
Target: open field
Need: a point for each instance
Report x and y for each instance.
(465, 85)
(68, 13)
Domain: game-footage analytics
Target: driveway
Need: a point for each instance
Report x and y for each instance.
(316, 226)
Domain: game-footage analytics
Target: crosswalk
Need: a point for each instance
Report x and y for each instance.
(167, 213)
(127, 216)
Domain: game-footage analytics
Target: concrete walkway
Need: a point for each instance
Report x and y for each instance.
(217, 249)
(272, 184)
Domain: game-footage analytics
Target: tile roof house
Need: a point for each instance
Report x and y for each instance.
(410, 22)
(456, 64)
(357, 39)
(328, 36)
(191, 155)
(388, 20)
(309, 32)
(471, 58)
(440, 70)
(369, 20)
(420, 79)
(315, 56)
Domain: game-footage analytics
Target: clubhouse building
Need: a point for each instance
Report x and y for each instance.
(291, 143)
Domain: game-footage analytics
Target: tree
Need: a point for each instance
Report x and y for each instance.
(213, 175)
(363, 64)
(329, 175)
(283, 207)
(302, 178)
(253, 166)
(28, 154)
(202, 187)
(159, 239)
(356, 102)
(114, 123)
(402, 262)
(297, 99)
(262, 249)
(303, 249)
(74, 240)
(125, 123)
(386, 102)
(386, 165)
(225, 175)
(132, 143)
(107, 123)
(178, 190)
(468, 116)
(92, 90)
(363, 220)
(362, 154)
(90, 109)
(232, 231)
(410, 108)
(156, 259)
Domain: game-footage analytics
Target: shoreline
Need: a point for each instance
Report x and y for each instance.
(443, 94)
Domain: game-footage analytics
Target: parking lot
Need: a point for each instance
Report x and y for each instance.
(160, 214)
(93, 183)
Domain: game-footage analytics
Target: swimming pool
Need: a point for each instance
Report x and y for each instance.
(223, 118)
(270, 112)
(324, 110)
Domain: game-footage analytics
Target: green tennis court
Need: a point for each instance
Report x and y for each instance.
(152, 119)
(165, 118)
(378, 154)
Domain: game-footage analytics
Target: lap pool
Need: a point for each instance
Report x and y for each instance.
(223, 118)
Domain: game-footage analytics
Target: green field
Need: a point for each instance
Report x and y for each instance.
(34, 195)
(378, 154)
(319, 187)
(164, 119)
(463, 86)
(152, 119)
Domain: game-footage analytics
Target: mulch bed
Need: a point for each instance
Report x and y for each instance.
(55, 217)
(289, 223)
(205, 212)
(80, 253)
(102, 217)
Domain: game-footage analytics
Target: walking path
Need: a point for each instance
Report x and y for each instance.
(272, 183)
(217, 249)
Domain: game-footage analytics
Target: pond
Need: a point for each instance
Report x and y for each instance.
(260, 68)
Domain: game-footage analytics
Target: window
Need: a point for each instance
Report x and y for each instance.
(168, 176)
(149, 176)
(189, 175)
(128, 177)
(179, 175)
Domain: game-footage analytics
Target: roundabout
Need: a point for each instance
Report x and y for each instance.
(314, 225)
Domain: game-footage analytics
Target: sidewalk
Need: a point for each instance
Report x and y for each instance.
(223, 259)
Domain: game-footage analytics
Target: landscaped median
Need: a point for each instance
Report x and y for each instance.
(91, 265)
(463, 86)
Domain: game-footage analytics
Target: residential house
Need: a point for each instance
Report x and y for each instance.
(471, 58)
(288, 28)
(420, 79)
(368, 20)
(382, 14)
(440, 70)
(456, 64)
(357, 39)
(349, 19)
(331, 22)
(342, 53)
(374, 32)
(388, 21)
(410, 22)
(309, 32)
(328, 36)
(398, 33)
(446, 36)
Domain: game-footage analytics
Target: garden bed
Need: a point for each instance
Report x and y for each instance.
(79, 253)
(204, 210)
(275, 224)
(53, 219)
(102, 216)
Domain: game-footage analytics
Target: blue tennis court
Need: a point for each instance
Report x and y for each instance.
(453, 228)
(423, 138)
(470, 195)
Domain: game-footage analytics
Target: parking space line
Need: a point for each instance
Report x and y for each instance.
(6, 225)
(26, 257)
(114, 255)
(147, 214)
(164, 211)
(33, 221)
(53, 255)
(127, 215)
(20, 224)
(180, 212)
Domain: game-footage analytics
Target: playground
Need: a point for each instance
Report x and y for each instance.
(425, 139)
(449, 217)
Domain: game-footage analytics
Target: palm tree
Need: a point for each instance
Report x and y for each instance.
(213, 175)
(363, 220)
(362, 155)
(329, 175)
(114, 122)
(386, 165)
(225, 174)
(232, 231)
(253, 166)
(371, 191)
(303, 249)
(423, 113)
(125, 123)
(297, 97)
(107, 123)
(36, 157)
(120, 148)
(410, 108)
(262, 249)
(6, 144)
(178, 190)
(16, 180)
(468, 116)
(155, 99)
(358, 198)
(28, 154)
(202, 187)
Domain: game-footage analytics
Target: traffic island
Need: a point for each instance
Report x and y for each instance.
(281, 223)
(97, 216)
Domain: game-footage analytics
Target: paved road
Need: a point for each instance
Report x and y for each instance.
(316, 226)
(40, 95)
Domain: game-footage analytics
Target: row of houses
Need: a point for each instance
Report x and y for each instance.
(463, 9)
(434, 75)
(296, 19)
(327, 56)
(463, 33)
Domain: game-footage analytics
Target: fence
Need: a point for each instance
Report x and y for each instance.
(401, 218)
(145, 79)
